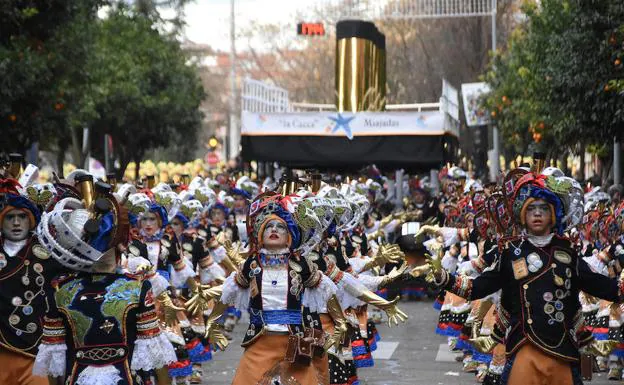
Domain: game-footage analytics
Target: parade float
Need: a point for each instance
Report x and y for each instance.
(359, 129)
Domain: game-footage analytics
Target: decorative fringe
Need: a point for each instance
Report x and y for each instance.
(364, 362)
(481, 357)
(152, 353)
(50, 360)
(447, 331)
(99, 375)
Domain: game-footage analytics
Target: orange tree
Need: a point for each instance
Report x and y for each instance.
(561, 75)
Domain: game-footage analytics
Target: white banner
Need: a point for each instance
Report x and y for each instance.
(346, 124)
(449, 102)
(475, 115)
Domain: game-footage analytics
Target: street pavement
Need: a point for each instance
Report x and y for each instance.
(411, 354)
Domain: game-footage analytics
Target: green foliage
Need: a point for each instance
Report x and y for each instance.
(146, 95)
(560, 76)
(37, 41)
(62, 68)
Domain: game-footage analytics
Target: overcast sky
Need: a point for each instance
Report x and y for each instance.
(208, 20)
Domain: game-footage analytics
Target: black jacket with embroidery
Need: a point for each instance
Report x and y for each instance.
(99, 317)
(25, 278)
(301, 275)
(540, 294)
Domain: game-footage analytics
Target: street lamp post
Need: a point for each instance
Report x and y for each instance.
(233, 142)
(495, 139)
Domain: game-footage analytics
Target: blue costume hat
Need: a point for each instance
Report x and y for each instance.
(182, 218)
(158, 209)
(13, 201)
(241, 192)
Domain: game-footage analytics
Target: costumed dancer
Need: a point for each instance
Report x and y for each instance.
(167, 261)
(281, 290)
(352, 291)
(102, 326)
(542, 326)
(26, 271)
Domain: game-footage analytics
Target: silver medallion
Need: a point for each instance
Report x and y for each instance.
(38, 268)
(40, 252)
(14, 319)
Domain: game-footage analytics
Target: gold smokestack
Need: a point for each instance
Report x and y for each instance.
(15, 165)
(84, 184)
(150, 181)
(539, 162)
(316, 182)
(360, 67)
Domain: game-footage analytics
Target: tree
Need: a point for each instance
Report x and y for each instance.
(37, 41)
(146, 96)
(558, 78)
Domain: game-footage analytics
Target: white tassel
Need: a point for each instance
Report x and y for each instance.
(152, 353)
(50, 360)
(99, 375)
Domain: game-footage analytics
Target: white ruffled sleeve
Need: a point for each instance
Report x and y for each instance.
(370, 282)
(449, 263)
(450, 235)
(181, 272)
(316, 298)
(349, 288)
(235, 295)
(218, 254)
(159, 284)
(152, 349)
(357, 264)
(211, 273)
(51, 357)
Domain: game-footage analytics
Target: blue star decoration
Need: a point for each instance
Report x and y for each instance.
(343, 122)
(420, 122)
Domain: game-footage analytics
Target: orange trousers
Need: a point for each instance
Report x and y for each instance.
(534, 367)
(265, 356)
(17, 369)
